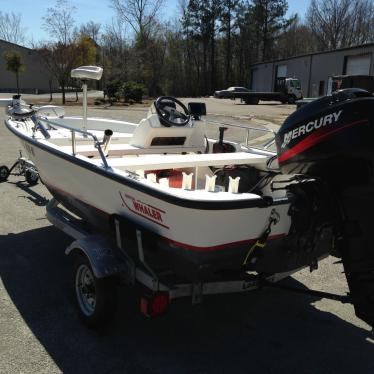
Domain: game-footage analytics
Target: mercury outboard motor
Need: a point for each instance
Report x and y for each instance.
(331, 141)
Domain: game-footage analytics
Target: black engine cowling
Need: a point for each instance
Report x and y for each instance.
(328, 135)
(332, 141)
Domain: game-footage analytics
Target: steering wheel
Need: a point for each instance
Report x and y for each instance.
(167, 113)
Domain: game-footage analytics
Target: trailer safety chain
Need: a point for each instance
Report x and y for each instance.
(261, 241)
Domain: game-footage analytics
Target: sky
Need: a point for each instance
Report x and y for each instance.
(98, 11)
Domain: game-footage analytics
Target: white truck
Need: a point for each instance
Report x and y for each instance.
(287, 90)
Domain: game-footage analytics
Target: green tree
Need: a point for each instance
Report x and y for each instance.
(203, 20)
(245, 44)
(269, 20)
(85, 50)
(14, 64)
(85, 53)
(228, 15)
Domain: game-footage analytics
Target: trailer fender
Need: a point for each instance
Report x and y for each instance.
(100, 254)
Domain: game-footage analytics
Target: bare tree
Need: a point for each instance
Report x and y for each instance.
(296, 39)
(59, 22)
(92, 30)
(60, 56)
(11, 29)
(61, 59)
(361, 25)
(139, 14)
(341, 23)
(115, 50)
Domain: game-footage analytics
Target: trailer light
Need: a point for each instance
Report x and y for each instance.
(155, 304)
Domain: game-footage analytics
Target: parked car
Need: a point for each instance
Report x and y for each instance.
(225, 94)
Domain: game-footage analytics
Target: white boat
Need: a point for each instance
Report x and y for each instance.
(206, 209)
(211, 209)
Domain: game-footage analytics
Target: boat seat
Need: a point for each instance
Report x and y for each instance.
(158, 162)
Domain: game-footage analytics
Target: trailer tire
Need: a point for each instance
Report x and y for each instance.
(4, 173)
(96, 298)
(291, 99)
(253, 101)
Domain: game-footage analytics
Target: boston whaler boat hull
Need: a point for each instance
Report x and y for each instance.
(199, 238)
(210, 211)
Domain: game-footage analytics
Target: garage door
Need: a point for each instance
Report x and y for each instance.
(358, 65)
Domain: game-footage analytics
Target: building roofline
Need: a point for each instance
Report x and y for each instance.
(314, 53)
(16, 45)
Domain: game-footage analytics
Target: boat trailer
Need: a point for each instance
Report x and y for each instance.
(21, 167)
(98, 262)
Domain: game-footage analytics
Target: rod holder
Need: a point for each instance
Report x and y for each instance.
(233, 184)
(151, 177)
(84, 128)
(140, 172)
(39, 126)
(210, 183)
(106, 141)
(164, 182)
(187, 181)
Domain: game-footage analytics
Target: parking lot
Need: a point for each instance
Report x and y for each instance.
(265, 331)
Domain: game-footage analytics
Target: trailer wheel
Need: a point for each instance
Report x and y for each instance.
(4, 173)
(96, 298)
(291, 99)
(31, 177)
(252, 101)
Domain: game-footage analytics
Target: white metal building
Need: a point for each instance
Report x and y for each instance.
(36, 77)
(314, 69)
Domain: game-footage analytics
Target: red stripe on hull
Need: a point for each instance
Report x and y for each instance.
(171, 241)
(221, 246)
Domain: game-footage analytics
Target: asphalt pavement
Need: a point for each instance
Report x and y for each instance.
(267, 331)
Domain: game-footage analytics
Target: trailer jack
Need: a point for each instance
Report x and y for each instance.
(22, 167)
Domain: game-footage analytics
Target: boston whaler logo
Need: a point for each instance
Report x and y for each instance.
(329, 119)
(144, 210)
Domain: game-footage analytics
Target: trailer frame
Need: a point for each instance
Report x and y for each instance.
(110, 260)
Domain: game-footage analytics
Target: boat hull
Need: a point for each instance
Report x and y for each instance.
(198, 238)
